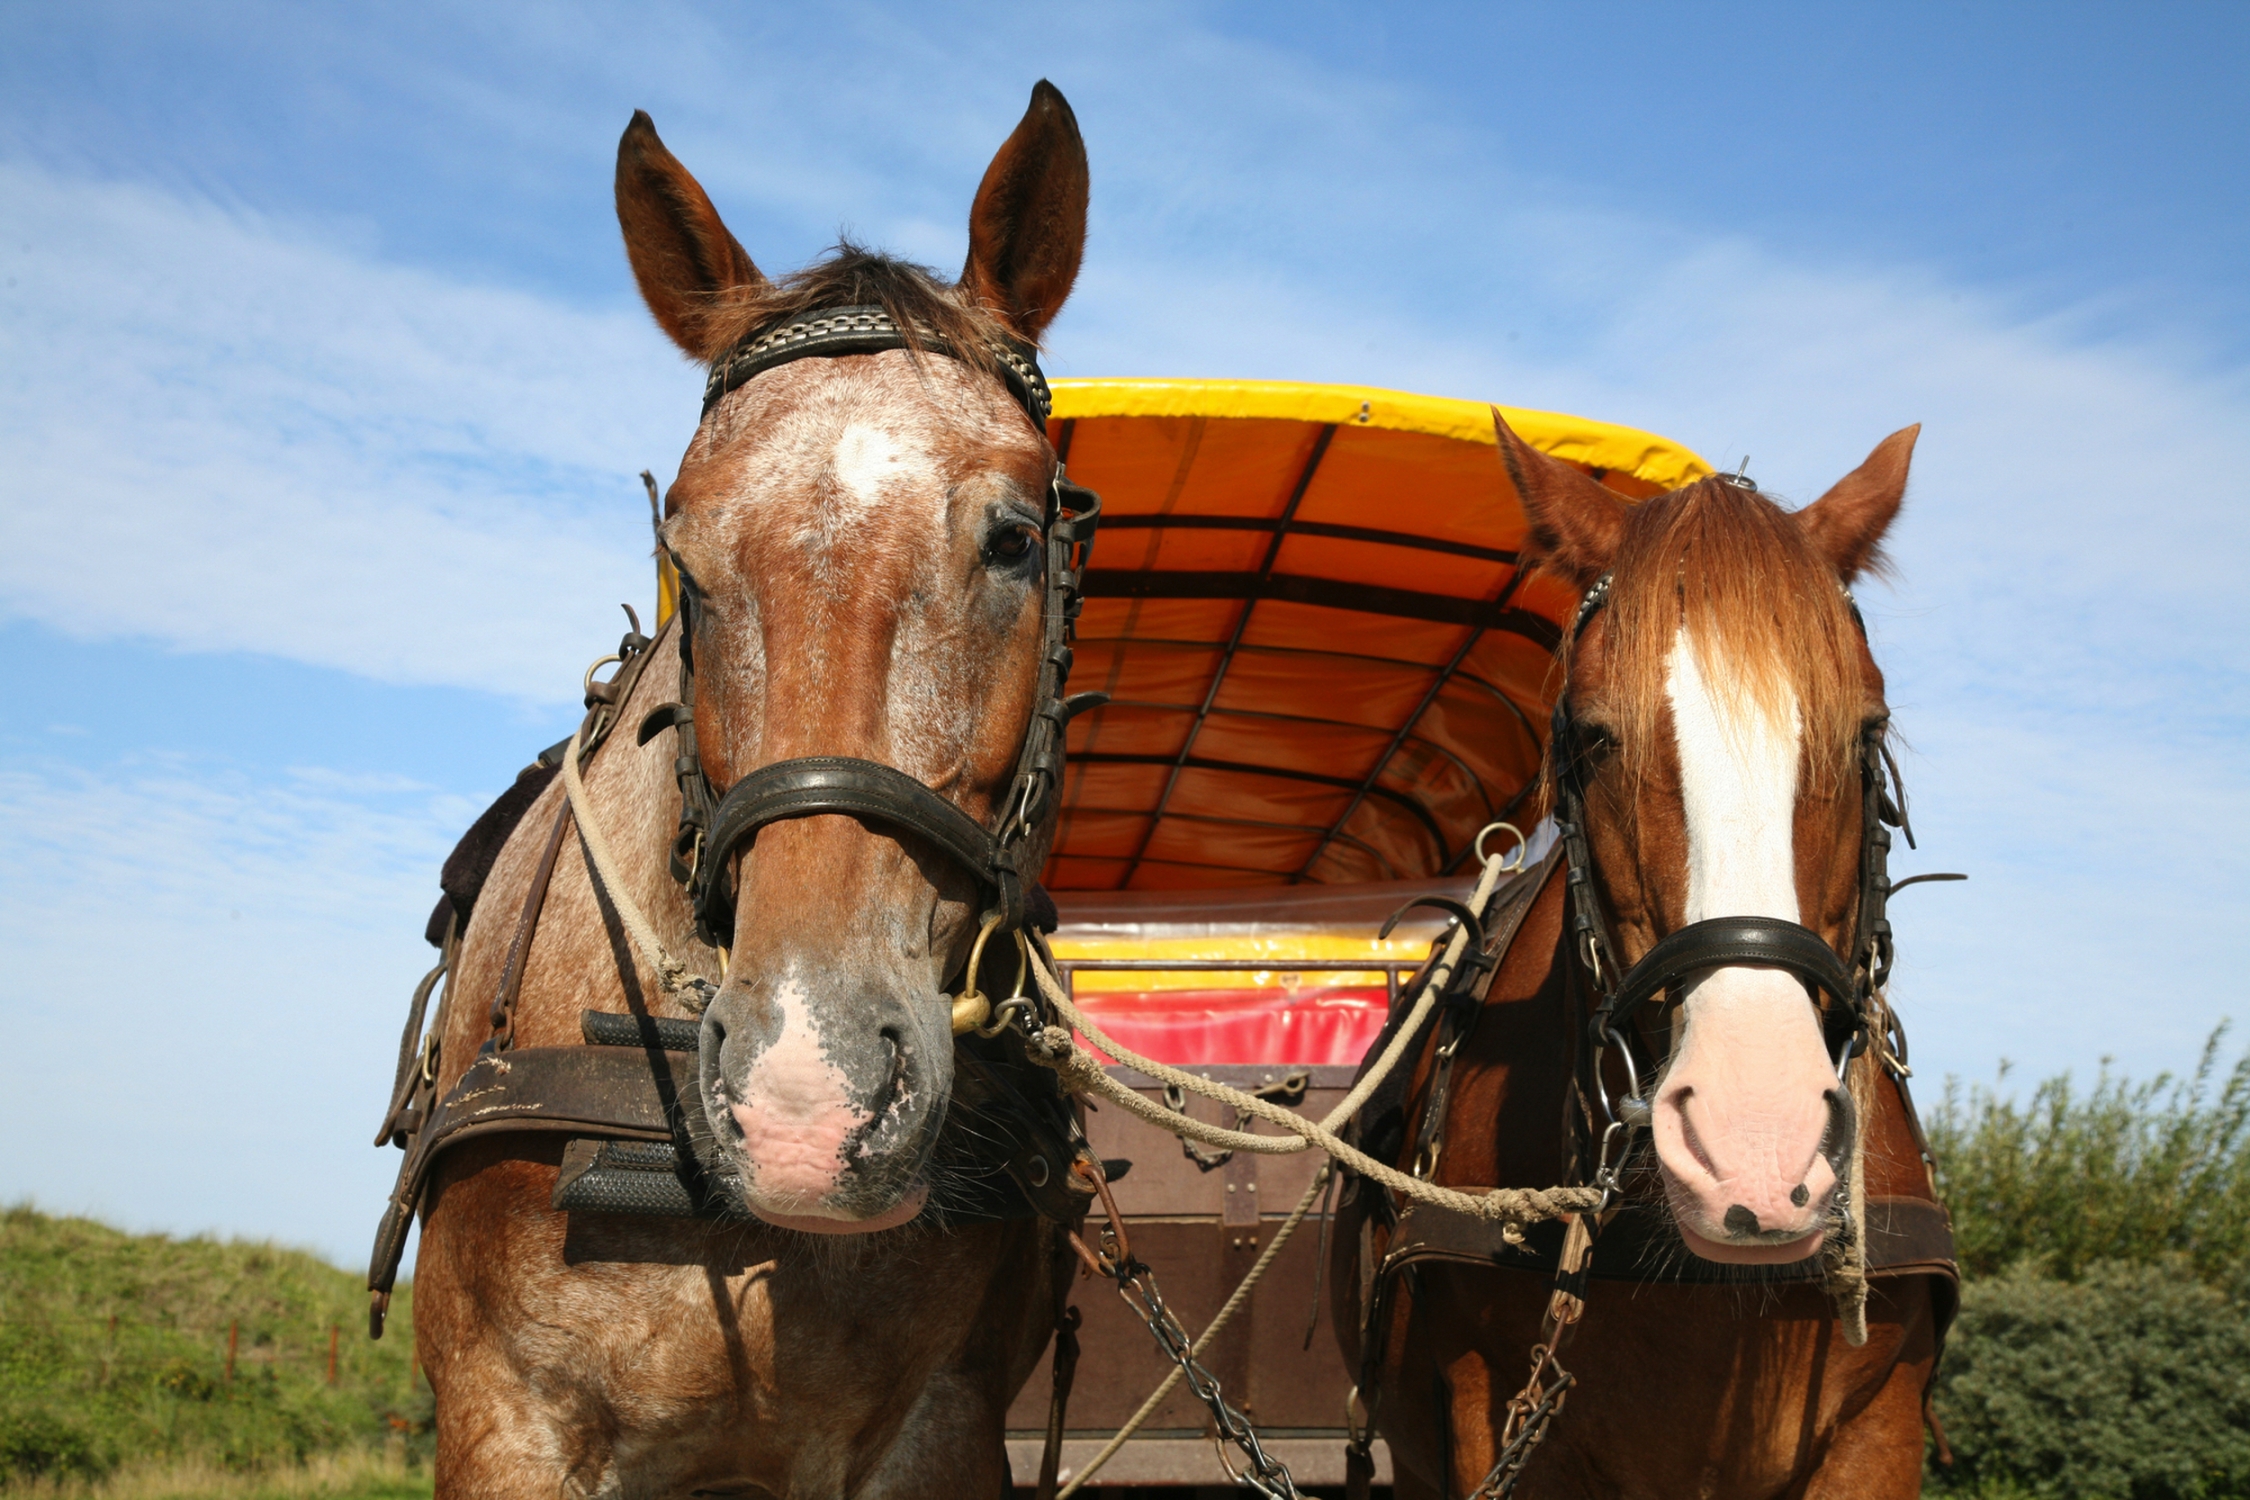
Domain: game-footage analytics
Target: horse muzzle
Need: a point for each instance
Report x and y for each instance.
(824, 1097)
(1752, 1130)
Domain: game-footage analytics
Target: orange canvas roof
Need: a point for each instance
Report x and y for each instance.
(1323, 659)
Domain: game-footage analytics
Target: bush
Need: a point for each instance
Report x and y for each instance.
(37, 1444)
(2132, 1383)
(2133, 1172)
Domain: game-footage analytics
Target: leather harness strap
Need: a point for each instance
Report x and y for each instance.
(869, 330)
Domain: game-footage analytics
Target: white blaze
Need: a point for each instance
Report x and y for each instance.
(1741, 1112)
(1738, 786)
(871, 465)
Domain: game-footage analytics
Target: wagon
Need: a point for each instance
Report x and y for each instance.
(1328, 670)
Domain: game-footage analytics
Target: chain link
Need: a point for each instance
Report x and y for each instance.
(1262, 1472)
(1531, 1411)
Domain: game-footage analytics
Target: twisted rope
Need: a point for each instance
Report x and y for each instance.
(1513, 1208)
(679, 981)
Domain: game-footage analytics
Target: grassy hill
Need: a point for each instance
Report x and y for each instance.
(114, 1355)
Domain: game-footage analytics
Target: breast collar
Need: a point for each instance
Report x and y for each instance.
(714, 825)
(1852, 981)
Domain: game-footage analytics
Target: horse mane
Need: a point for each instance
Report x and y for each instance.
(1766, 614)
(918, 300)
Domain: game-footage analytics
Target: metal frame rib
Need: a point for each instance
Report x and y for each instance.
(1226, 653)
(1368, 786)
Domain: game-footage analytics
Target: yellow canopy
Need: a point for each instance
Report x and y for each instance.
(1324, 662)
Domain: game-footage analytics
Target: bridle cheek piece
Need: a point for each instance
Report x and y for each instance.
(1851, 982)
(713, 826)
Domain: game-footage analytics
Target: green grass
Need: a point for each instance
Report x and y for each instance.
(113, 1357)
(355, 1474)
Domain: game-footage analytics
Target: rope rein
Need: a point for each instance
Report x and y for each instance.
(1053, 1047)
(679, 981)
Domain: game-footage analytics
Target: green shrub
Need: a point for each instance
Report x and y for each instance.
(2126, 1171)
(37, 1444)
(2132, 1383)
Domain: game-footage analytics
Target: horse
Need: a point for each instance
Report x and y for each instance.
(860, 539)
(1716, 771)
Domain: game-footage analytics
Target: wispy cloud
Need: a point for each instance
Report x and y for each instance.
(237, 429)
(227, 434)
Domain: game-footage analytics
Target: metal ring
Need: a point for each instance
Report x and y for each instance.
(599, 663)
(1632, 1073)
(1005, 1013)
(971, 1008)
(1523, 845)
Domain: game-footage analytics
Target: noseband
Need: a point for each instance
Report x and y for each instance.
(713, 826)
(1851, 981)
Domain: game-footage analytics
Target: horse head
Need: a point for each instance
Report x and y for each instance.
(859, 543)
(1719, 705)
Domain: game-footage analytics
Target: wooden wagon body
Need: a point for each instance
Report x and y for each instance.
(1328, 670)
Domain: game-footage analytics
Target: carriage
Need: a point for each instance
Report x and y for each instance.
(1314, 675)
(1328, 671)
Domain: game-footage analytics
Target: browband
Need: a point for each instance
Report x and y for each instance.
(868, 330)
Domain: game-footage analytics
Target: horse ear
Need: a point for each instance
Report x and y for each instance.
(1576, 523)
(688, 265)
(1027, 228)
(1846, 525)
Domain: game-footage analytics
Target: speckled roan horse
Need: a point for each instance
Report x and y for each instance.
(1722, 695)
(862, 532)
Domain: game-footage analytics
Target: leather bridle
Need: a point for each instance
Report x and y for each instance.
(1852, 981)
(713, 826)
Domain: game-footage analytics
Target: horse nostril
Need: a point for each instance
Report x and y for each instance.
(1800, 1195)
(1741, 1221)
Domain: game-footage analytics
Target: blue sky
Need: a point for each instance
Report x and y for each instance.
(323, 388)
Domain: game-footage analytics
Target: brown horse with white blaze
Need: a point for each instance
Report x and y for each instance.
(1720, 704)
(860, 536)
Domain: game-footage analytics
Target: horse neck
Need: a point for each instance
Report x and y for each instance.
(1505, 1121)
(584, 958)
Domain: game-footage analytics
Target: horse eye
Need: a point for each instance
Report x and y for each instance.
(1010, 544)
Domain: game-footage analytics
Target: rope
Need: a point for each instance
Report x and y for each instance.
(691, 989)
(1233, 1303)
(1053, 1047)
(1844, 1257)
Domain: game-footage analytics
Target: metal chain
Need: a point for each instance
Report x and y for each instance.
(1531, 1411)
(1263, 1473)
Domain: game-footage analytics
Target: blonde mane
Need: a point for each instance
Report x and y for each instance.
(1766, 615)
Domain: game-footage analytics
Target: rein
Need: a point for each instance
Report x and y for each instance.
(714, 825)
